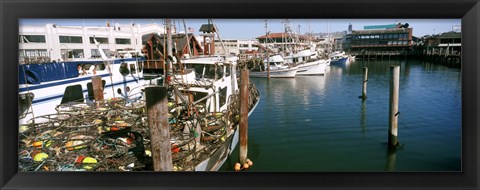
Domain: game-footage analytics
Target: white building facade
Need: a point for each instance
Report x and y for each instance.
(236, 47)
(62, 43)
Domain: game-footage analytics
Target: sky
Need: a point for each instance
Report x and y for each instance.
(246, 29)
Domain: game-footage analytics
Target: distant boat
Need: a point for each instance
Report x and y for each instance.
(278, 68)
(339, 59)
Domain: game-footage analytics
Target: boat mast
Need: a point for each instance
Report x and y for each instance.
(188, 40)
(169, 50)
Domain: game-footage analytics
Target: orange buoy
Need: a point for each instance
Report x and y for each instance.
(237, 167)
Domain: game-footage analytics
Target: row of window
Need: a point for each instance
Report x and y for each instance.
(380, 36)
(404, 42)
(33, 53)
(65, 53)
(70, 39)
(226, 45)
(227, 41)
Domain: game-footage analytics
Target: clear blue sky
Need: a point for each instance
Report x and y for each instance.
(252, 28)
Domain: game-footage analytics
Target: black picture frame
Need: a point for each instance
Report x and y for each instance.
(13, 10)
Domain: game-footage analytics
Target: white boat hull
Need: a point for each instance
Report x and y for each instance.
(312, 68)
(280, 73)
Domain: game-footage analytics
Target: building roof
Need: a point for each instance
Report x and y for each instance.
(207, 28)
(384, 31)
(450, 35)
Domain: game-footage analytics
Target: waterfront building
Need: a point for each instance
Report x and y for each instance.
(233, 46)
(393, 39)
(54, 42)
(445, 44)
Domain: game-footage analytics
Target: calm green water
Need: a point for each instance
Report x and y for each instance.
(318, 123)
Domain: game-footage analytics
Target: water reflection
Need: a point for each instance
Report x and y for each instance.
(363, 117)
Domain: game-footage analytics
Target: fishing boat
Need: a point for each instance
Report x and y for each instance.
(113, 134)
(278, 68)
(210, 84)
(308, 62)
(43, 86)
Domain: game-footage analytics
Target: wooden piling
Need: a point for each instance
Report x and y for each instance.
(365, 79)
(157, 111)
(393, 113)
(97, 89)
(243, 115)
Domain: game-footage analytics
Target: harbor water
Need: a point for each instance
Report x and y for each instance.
(319, 123)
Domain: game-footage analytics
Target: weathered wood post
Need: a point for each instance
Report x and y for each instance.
(157, 110)
(244, 115)
(364, 86)
(97, 89)
(393, 113)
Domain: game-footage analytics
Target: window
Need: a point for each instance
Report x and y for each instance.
(31, 39)
(96, 54)
(122, 41)
(140, 66)
(132, 69)
(72, 53)
(223, 96)
(99, 40)
(209, 71)
(219, 71)
(227, 70)
(124, 69)
(71, 39)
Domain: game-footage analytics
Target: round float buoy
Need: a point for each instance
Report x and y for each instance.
(237, 167)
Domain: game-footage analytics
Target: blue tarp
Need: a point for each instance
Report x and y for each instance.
(44, 72)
